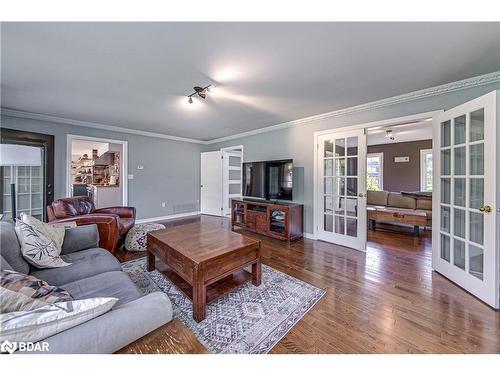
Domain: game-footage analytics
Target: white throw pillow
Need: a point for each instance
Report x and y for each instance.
(38, 324)
(51, 231)
(36, 248)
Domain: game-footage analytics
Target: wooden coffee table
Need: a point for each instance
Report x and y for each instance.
(199, 255)
(393, 215)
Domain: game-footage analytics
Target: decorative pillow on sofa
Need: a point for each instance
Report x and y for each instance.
(36, 248)
(54, 232)
(38, 324)
(20, 292)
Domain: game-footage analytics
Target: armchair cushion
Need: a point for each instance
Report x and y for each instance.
(66, 207)
(123, 212)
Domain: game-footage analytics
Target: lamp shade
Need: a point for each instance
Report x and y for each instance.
(20, 155)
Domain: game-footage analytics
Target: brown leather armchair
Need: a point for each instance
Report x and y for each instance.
(113, 223)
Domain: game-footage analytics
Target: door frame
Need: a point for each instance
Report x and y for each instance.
(342, 129)
(123, 162)
(46, 141)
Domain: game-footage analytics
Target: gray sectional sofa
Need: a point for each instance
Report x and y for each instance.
(93, 272)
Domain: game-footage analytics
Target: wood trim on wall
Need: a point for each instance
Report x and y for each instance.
(46, 141)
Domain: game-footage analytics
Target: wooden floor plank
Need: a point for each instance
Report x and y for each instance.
(385, 301)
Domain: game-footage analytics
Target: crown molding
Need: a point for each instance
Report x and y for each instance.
(404, 98)
(94, 125)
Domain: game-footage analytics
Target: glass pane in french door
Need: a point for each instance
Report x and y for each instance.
(462, 192)
(340, 186)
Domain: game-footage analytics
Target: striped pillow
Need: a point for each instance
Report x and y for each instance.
(25, 292)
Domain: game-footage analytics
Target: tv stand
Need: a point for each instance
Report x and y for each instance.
(283, 221)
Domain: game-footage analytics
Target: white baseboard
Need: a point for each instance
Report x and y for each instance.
(310, 236)
(167, 217)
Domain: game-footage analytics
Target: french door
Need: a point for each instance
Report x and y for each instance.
(464, 247)
(231, 179)
(341, 188)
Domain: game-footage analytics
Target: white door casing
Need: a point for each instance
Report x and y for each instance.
(341, 188)
(211, 183)
(464, 247)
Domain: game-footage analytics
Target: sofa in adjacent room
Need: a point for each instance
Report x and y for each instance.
(401, 202)
(94, 272)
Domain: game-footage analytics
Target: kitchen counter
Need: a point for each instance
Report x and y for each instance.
(105, 195)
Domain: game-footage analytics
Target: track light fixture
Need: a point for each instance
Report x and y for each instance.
(200, 91)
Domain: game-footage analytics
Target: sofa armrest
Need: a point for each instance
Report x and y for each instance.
(116, 329)
(107, 225)
(80, 238)
(124, 212)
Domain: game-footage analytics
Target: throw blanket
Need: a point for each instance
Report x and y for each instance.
(418, 194)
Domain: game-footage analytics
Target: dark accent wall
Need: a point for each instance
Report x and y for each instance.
(401, 176)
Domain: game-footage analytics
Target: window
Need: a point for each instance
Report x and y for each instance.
(21, 165)
(426, 170)
(375, 171)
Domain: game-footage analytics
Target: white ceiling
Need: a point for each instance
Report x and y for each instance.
(402, 133)
(136, 75)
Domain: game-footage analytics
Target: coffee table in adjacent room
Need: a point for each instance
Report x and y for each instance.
(204, 261)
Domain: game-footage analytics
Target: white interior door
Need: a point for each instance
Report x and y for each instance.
(211, 183)
(231, 179)
(341, 189)
(464, 248)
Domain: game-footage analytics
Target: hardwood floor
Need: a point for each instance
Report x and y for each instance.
(385, 301)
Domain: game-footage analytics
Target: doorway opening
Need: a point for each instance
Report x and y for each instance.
(97, 168)
(346, 171)
(221, 180)
(399, 170)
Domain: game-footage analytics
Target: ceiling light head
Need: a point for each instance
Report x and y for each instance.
(388, 134)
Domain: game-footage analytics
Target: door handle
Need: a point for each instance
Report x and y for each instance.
(361, 195)
(485, 208)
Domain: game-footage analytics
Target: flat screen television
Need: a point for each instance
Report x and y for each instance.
(271, 180)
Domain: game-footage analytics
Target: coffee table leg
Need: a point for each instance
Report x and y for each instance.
(199, 297)
(416, 230)
(257, 269)
(151, 261)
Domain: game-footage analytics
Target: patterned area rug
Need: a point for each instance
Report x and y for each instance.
(248, 320)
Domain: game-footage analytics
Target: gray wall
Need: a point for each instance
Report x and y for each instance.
(401, 176)
(171, 171)
(297, 142)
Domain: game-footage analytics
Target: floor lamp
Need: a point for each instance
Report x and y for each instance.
(12, 155)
